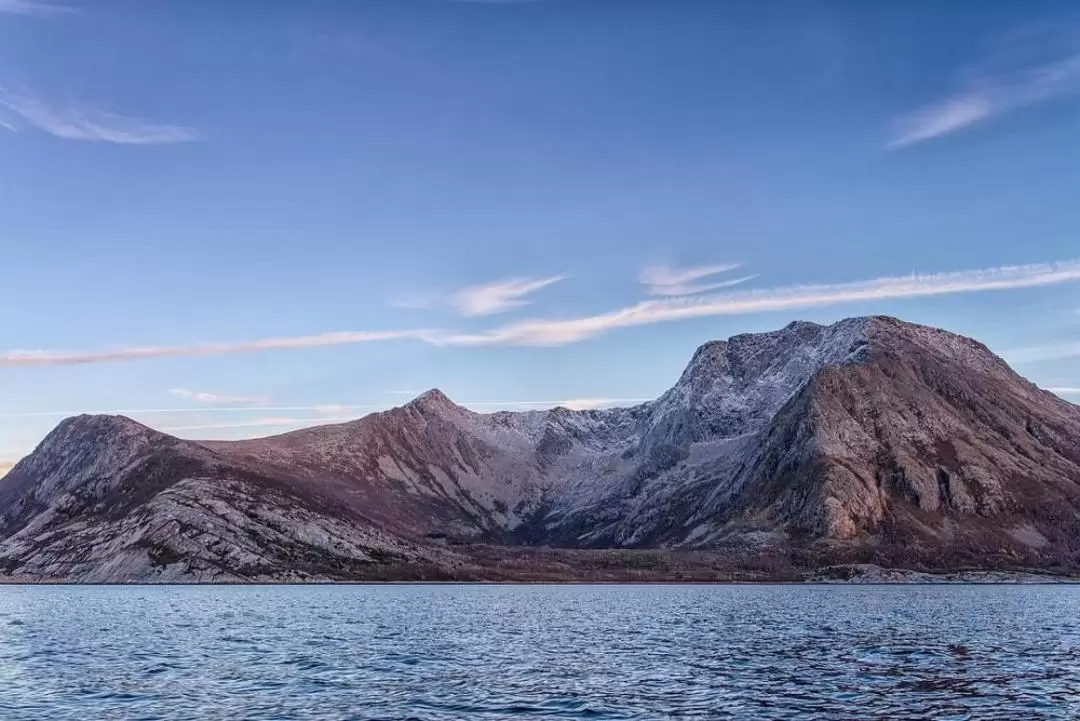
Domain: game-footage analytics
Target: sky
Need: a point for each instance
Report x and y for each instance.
(235, 219)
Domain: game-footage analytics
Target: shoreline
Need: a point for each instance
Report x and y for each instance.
(837, 575)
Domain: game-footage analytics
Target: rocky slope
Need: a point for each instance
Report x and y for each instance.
(104, 498)
(868, 441)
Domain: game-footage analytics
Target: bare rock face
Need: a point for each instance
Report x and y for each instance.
(105, 499)
(868, 441)
(933, 445)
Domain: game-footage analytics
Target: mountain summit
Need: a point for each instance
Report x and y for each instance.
(870, 440)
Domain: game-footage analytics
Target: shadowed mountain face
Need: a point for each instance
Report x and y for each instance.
(870, 440)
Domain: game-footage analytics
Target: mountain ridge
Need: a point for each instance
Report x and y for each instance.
(868, 440)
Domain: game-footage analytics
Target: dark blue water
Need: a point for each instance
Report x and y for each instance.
(520, 652)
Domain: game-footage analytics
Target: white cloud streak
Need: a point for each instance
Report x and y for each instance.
(90, 124)
(573, 330)
(45, 357)
(553, 332)
(30, 7)
(945, 117)
(1064, 391)
(985, 94)
(500, 296)
(480, 300)
(664, 280)
(219, 399)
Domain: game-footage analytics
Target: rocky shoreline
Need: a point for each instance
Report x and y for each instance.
(600, 568)
(871, 574)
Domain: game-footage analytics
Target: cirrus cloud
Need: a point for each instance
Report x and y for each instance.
(48, 357)
(563, 331)
(32, 7)
(500, 296)
(1033, 68)
(664, 280)
(84, 122)
(573, 330)
(484, 299)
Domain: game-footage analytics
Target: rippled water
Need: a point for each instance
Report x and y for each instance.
(494, 652)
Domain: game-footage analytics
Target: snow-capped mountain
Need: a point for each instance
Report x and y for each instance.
(870, 439)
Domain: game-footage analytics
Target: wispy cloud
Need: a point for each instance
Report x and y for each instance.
(219, 399)
(46, 357)
(500, 296)
(30, 7)
(81, 122)
(550, 332)
(664, 280)
(573, 330)
(480, 300)
(945, 117)
(988, 91)
(1065, 391)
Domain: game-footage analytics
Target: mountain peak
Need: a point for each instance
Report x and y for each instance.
(84, 454)
(99, 424)
(710, 359)
(748, 355)
(893, 336)
(804, 347)
(433, 399)
(79, 434)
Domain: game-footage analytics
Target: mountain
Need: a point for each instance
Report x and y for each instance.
(869, 441)
(104, 498)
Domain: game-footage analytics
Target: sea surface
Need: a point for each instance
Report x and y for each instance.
(523, 652)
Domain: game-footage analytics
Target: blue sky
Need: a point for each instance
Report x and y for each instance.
(230, 219)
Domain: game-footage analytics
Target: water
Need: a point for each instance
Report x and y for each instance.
(520, 652)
